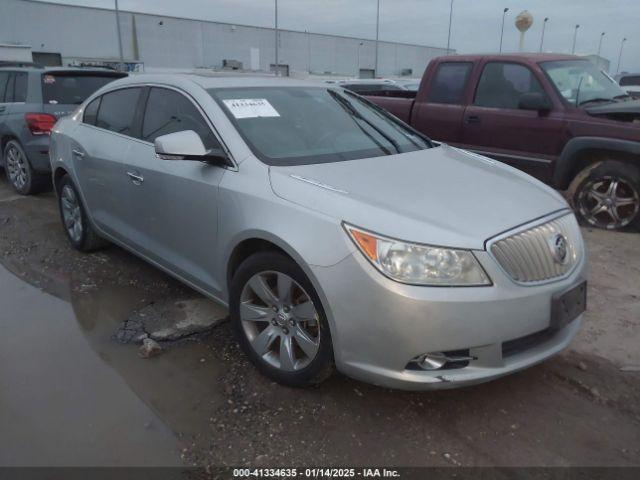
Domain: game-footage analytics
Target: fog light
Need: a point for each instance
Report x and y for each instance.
(431, 361)
(441, 360)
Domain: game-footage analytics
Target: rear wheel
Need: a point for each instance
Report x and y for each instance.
(279, 321)
(20, 173)
(74, 218)
(607, 195)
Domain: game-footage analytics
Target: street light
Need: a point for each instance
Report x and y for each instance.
(504, 12)
(276, 31)
(377, 37)
(544, 25)
(358, 71)
(450, 18)
(575, 35)
(620, 55)
(600, 42)
(119, 37)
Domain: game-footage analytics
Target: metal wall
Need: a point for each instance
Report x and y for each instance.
(176, 43)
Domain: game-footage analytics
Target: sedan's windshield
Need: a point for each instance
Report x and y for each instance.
(303, 125)
(580, 82)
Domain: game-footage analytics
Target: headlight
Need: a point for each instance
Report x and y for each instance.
(419, 264)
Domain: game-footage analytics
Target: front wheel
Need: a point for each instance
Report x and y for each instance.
(279, 321)
(607, 195)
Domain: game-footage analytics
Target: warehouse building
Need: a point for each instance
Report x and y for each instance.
(72, 35)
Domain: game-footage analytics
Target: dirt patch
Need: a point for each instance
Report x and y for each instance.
(579, 408)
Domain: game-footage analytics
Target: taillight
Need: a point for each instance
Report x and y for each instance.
(40, 123)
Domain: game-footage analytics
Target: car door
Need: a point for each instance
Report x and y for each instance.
(174, 203)
(100, 144)
(495, 125)
(439, 115)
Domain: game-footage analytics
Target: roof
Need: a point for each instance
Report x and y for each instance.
(36, 68)
(226, 81)
(529, 56)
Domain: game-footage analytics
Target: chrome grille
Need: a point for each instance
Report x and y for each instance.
(528, 256)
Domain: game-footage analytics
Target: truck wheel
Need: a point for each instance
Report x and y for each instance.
(607, 195)
(74, 218)
(279, 321)
(20, 173)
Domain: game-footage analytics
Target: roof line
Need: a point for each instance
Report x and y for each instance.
(234, 24)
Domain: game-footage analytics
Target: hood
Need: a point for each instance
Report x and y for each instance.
(628, 111)
(440, 196)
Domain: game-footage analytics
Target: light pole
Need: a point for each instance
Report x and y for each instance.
(119, 37)
(575, 35)
(358, 66)
(504, 12)
(544, 25)
(600, 42)
(377, 37)
(450, 18)
(276, 31)
(620, 55)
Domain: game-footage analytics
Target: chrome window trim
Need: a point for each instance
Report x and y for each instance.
(208, 121)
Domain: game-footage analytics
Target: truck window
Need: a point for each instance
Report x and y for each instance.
(449, 82)
(502, 84)
(631, 81)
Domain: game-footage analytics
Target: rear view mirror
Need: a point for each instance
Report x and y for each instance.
(187, 145)
(534, 101)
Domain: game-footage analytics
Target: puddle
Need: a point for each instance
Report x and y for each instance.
(174, 385)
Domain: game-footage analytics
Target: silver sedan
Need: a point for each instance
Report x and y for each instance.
(336, 234)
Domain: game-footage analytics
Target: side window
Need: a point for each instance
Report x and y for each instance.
(91, 112)
(20, 87)
(117, 110)
(169, 112)
(4, 79)
(8, 95)
(502, 84)
(630, 81)
(449, 82)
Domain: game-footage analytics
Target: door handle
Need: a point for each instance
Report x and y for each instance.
(472, 119)
(136, 179)
(78, 153)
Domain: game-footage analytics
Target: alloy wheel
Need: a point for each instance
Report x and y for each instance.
(609, 202)
(71, 213)
(16, 167)
(280, 321)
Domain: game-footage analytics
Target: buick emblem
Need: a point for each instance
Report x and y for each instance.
(559, 248)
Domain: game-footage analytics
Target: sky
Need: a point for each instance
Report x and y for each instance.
(475, 26)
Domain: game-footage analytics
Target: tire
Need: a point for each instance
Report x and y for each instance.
(74, 218)
(274, 340)
(611, 189)
(20, 174)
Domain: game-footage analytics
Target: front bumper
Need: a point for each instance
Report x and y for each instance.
(379, 326)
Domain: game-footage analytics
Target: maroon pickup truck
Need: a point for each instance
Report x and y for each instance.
(557, 117)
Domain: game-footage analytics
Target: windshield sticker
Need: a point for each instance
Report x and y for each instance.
(251, 108)
(48, 79)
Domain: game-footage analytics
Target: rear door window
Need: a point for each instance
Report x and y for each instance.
(449, 82)
(117, 111)
(20, 87)
(71, 89)
(4, 79)
(91, 112)
(168, 112)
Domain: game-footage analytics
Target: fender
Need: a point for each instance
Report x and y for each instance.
(566, 163)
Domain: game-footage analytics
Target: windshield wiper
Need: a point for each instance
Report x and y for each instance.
(610, 100)
(354, 113)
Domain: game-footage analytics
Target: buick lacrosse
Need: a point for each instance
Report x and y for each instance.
(335, 234)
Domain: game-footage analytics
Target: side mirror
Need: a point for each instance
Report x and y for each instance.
(534, 101)
(187, 145)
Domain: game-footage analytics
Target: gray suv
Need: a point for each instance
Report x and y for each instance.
(31, 101)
